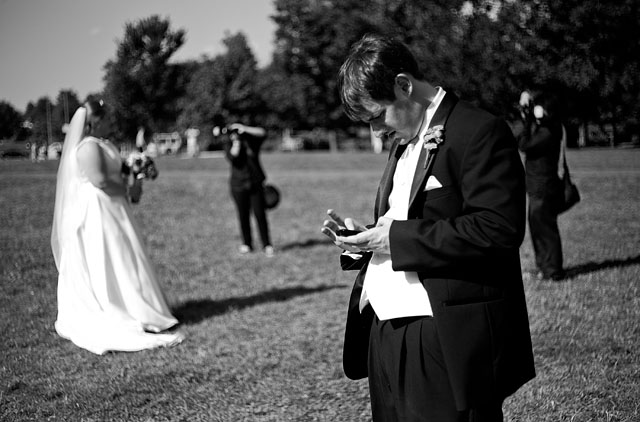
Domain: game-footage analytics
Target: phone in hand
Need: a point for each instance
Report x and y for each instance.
(347, 232)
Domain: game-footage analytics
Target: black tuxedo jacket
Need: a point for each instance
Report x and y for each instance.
(463, 240)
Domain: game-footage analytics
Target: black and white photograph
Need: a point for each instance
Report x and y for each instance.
(320, 211)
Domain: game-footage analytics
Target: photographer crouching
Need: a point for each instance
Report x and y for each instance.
(540, 141)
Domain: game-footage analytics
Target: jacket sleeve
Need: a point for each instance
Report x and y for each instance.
(490, 219)
(353, 261)
(536, 138)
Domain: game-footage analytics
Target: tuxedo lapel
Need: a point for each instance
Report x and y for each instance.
(386, 183)
(422, 169)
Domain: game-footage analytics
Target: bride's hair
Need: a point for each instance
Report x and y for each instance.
(95, 112)
(95, 108)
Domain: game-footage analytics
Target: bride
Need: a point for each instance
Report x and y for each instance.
(108, 295)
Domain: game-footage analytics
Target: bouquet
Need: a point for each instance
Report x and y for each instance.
(140, 166)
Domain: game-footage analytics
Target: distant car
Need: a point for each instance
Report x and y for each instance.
(54, 151)
(12, 149)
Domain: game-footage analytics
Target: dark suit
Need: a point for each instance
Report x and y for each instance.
(463, 240)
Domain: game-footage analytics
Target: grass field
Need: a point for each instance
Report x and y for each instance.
(264, 335)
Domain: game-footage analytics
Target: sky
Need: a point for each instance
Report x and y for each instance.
(50, 45)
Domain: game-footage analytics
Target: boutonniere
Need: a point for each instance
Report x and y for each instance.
(433, 137)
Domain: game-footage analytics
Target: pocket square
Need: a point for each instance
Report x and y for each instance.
(432, 183)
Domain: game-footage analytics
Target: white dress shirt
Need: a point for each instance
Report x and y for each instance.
(398, 294)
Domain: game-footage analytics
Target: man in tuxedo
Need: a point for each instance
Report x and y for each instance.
(437, 318)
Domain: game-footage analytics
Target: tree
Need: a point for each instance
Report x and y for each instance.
(225, 86)
(10, 121)
(312, 40)
(484, 50)
(67, 103)
(283, 97)
(141, 86)
(39, 115)
(238, 68)
(581, 49)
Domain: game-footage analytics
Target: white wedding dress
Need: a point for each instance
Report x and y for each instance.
(108, 295)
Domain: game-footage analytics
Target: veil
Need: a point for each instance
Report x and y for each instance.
(67, 183)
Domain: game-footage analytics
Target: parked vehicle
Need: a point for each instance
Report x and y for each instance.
(13, 149)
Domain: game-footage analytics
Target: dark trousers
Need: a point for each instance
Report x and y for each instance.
(408, 380)
(247, 200)
(545, 236)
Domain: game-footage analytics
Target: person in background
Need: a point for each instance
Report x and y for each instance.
(141, 141)
(540, 140)
(247, 181)
(437, 318)
(108, 296)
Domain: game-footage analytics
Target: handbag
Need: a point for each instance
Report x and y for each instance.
(569, 196)
(271, 196)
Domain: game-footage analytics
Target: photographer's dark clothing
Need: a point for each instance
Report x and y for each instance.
(246, 171)
(246, 181)
(247, 200)
(540, 142)
(545, 236)
(541, 145)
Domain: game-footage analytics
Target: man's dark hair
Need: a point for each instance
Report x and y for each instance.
(369, 72)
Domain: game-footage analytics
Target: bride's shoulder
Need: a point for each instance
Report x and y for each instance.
(89, 146)
(87, 140)
(90, 140)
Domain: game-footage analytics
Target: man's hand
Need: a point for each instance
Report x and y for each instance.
(331, 228)
(374, 240)
(525, 99)
(239, 127)
(235, 147)
(525, 105)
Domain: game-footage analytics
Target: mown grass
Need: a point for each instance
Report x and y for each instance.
(264, 336)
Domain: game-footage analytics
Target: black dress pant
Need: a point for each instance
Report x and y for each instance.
(408, 380)
(545, 236)
(247, 200)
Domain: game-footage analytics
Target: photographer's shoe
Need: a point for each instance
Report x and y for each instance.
(268, 251)
(554, 276)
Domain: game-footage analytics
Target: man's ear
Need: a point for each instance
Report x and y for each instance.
(404, 84)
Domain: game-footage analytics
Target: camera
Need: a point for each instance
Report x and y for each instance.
(225, 130)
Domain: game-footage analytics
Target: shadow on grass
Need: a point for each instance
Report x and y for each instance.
(596, 266)
(304, 244)
(195, 311)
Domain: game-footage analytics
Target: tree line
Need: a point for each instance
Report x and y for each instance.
(486, 51)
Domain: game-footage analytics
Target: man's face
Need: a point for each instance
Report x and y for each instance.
(399, 120)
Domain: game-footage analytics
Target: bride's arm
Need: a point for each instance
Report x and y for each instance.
(93, 163)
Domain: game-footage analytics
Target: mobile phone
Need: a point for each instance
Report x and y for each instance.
(347, 232)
